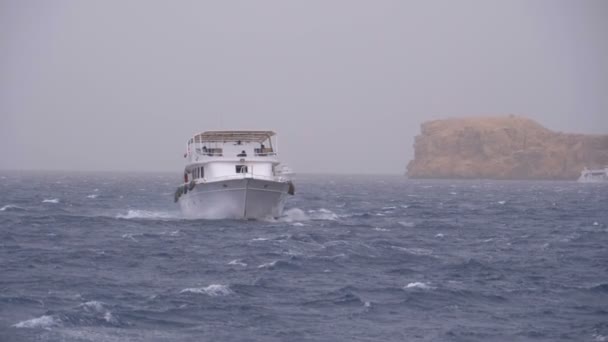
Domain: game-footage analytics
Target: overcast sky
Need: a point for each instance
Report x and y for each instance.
(121, 85)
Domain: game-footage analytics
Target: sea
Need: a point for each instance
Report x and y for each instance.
(109, 257)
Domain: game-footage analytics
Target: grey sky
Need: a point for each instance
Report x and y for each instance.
(121, 85)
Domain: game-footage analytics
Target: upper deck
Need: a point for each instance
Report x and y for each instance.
(220, 146)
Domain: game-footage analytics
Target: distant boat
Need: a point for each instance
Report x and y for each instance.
(594, 176)
(234, 174)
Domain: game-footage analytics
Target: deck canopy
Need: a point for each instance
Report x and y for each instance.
(228, 136)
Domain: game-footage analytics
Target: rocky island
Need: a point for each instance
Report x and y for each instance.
(505, 147)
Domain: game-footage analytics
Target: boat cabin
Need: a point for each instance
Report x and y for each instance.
(220, 155)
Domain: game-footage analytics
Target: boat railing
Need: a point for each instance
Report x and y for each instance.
(237, 176)
(263, 152)
(211, 152)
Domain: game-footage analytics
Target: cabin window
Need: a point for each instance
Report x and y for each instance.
(202, 172)
(241, 169)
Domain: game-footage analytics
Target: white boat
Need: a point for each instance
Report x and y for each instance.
(594, 176)
(234, 174)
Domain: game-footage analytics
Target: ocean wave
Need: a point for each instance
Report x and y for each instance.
(43, 322)
(271, 264)
(92, 196)
(602, 288)
(419, 285)
(146, 214)
(407, 224)
(213, 290)
(12, 207)
(323, 214)
(413, 250)
(298, 215)
(92, 305)
(51, 200)
(293, 215)
(237, 262)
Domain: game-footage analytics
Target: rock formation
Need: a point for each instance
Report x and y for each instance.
(506, 147)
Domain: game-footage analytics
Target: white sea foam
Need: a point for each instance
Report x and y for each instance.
(596, 223)
(298, 224)
(388, 208)
(93, 305)
(11, 207)
(440, 235)
(418, 285)
(407, 224)
(213, 290)
(92, 196)
(44, 322)
(146, 214)
(131, 236)
(260, 239)
(382, 229)
(453, 193)
(502, 202)
(323, 214)
(237, 262)
(600, 338)
(268, 264)
(51, 200)
(108, 317)
(294, 214)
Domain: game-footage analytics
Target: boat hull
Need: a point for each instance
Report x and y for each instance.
(246, 198)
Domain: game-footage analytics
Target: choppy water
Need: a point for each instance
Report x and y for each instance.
(87, 257)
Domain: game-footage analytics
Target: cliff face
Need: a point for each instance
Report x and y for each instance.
(508, 147)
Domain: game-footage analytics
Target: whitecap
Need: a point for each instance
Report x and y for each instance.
(44, 322)
(294, 214)
(145, 214)
(92, 196)
(237, 262)
(51, 200)
(407, 224)
(418, 285)
(323, 214)
(596, 223)
(131, 236)
(93, 304)
(268, 264)
(11, 207)
(502, 202)
(600, 338)
(381, 229)
(108, 317)
(440, 235)
(298, 224)
(388, 208)
(260, 239)
(213, 290)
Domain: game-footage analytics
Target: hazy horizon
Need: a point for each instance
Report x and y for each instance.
(121, 86)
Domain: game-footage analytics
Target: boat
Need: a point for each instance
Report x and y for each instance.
(594, 176)
(234, 175)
